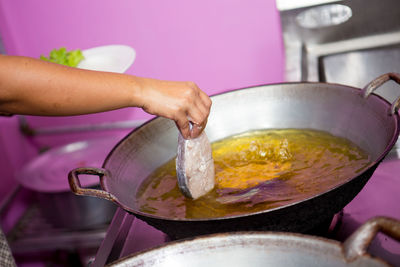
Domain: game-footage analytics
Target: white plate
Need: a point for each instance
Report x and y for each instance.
(112, 58)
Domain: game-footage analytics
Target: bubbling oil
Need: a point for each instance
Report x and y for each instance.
(257, 171)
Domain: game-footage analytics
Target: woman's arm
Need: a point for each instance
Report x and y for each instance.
(35, 87)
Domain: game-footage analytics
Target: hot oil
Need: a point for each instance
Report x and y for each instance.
(257, 171)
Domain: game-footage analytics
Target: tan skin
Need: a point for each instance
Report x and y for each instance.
(35, 87)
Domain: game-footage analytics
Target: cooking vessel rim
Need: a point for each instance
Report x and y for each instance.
(379, 159)
(286, 236)
(229, 91)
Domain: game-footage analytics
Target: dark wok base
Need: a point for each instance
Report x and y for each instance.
(321, 230)
(306, 217)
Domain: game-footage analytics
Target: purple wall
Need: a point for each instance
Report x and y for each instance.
(220, 45)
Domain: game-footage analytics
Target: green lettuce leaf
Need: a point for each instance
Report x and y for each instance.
(64, 57)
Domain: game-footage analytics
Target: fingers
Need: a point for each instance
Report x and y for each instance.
(198, 117)
(182, 123)
(188, 131)
(197, 129)
(206, 101)
(198, 113)
(179, 101)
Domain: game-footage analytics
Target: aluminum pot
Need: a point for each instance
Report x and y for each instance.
(365, 118)
(68, 211)
(268, 249)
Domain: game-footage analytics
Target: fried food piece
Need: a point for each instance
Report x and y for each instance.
(195, 166)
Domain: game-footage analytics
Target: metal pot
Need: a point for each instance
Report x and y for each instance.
(68, 211)
(45, 176)
(268, 249)
(358, 115)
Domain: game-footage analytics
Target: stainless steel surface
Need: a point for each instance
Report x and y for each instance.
(324, 16)
(268, 249)
(366, 45)
(372, 32)
(366, 122)
(351, 67)
(290, 4)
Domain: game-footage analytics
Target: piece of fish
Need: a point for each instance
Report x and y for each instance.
(195, 166)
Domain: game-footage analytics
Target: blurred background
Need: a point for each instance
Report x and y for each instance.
(220, 45)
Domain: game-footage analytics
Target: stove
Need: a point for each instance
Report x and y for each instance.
(127, 235)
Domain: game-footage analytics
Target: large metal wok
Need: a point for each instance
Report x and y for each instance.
(242, 249)
(358, 115)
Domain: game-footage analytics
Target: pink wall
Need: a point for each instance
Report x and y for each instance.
(14, 151)
(219, 44)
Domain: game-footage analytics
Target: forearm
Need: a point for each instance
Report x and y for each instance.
(35, 87)
(30, 86)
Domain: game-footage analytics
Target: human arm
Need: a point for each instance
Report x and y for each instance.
(34, 87)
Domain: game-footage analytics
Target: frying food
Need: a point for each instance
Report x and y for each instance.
(257, 171)
(195, 166)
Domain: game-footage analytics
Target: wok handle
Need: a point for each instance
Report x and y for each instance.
(75, 184)
(357, 244)
(372, 86)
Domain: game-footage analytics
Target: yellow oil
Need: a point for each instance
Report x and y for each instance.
(257, 171)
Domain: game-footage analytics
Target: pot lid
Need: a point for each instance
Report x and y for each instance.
(48, 172)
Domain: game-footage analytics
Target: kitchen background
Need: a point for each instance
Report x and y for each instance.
(221, 45)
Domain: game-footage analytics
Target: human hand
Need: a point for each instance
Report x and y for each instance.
(182, 102)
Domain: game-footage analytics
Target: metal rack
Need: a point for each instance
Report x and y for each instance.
(34, 234)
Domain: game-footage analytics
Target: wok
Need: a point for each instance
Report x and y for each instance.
(268, 249)
(365, 118)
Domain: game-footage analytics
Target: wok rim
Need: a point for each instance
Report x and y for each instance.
(231, 91)
(272, 236)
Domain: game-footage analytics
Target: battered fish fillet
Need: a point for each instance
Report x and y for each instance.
(195, 166)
